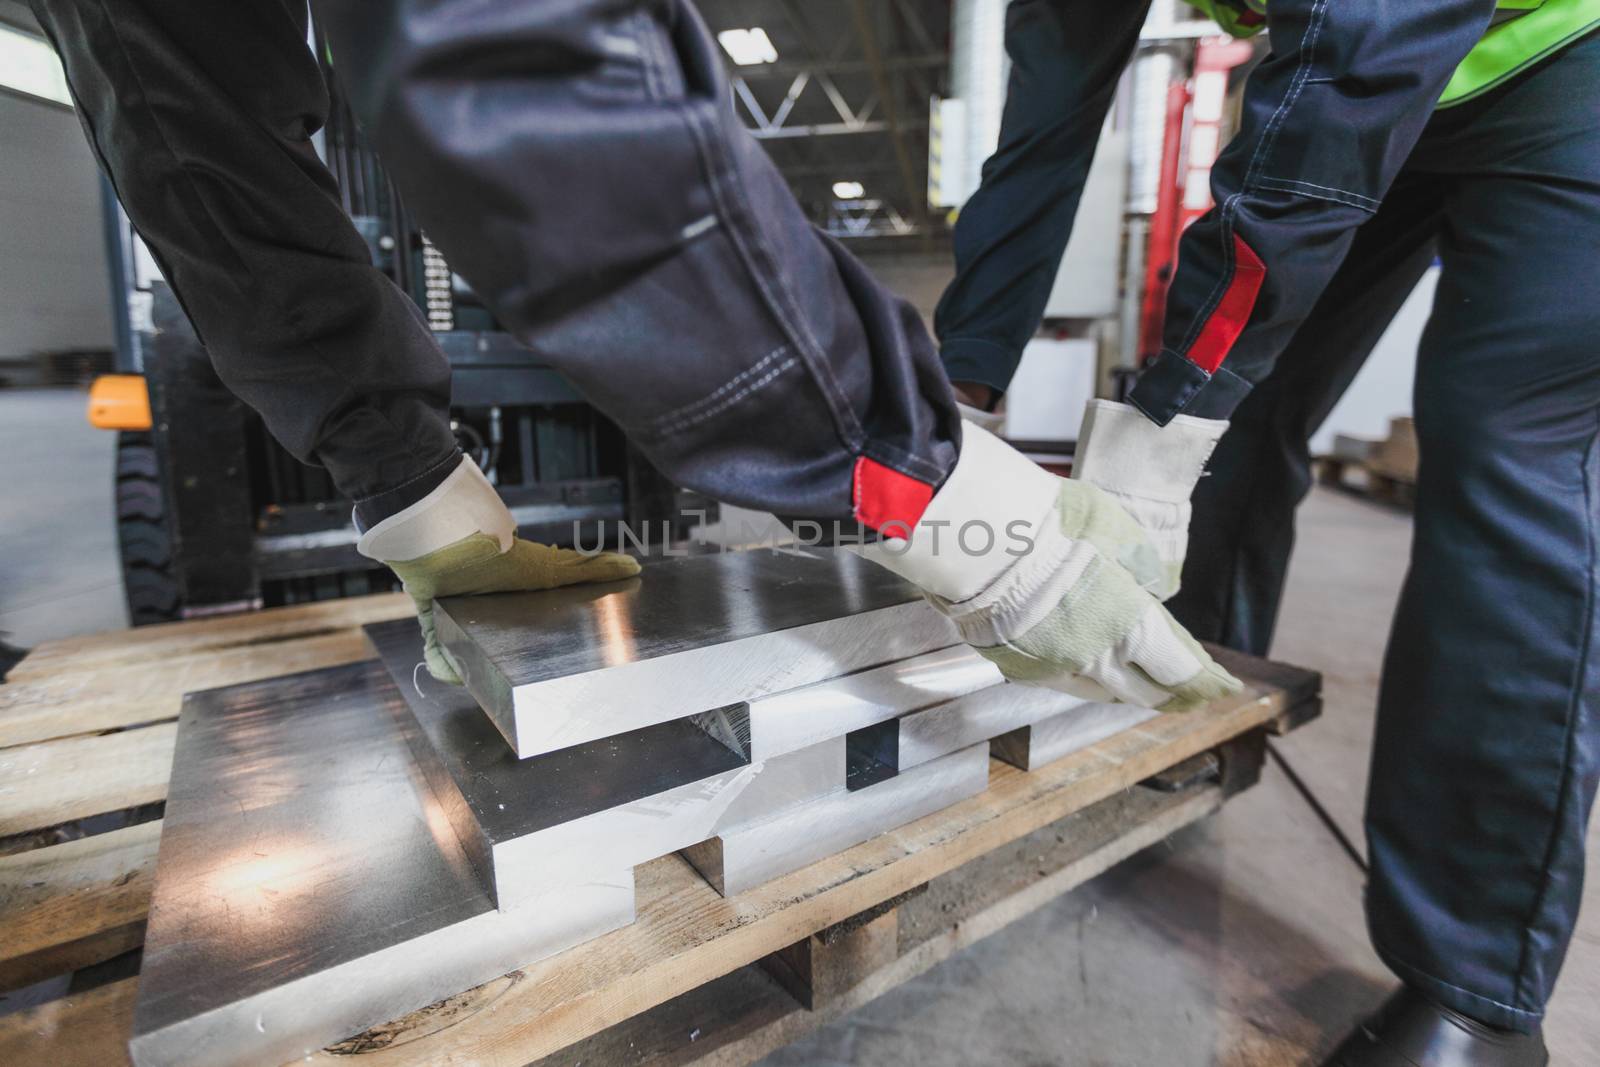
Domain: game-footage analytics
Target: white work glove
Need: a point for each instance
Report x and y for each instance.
(993, 421)
(1151, 471)
(461, 539)
(1042, 576)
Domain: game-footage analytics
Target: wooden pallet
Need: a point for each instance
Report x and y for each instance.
(86, 734)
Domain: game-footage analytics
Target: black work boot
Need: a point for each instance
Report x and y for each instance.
(1412, 1031)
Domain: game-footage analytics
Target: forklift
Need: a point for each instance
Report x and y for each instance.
(213, 516)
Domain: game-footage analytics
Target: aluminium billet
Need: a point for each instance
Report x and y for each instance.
(309, 885)
(601, 806)
(560, 667)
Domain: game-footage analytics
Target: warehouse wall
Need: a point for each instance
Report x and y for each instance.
(53, 288)
(1383, 388)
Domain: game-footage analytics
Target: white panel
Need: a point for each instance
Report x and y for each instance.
(1383, 388)
(53, 280)
(1053, 383)
(1086, 285)
(979, 69)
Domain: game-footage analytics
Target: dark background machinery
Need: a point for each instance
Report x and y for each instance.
(214, 516)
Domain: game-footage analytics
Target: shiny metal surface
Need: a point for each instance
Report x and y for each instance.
(557, 668)
(979, 716)
(788, 721)
(601, 806)
(741, 859)
(1050, 739)
(309, 885)
(784, 783)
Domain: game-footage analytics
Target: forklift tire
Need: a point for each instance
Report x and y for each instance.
(146, 547)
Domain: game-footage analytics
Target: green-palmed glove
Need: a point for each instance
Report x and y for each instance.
(1049, 579)
(461, 539)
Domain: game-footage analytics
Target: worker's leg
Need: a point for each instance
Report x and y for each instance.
(202, 115)
(1488, 738)
(1066, 59)
(1242, 531)
(580, 164)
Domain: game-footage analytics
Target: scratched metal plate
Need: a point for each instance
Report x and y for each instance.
(558, 668)
(309, 885)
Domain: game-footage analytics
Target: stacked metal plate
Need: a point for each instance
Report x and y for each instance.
(309, 884)
(344, 846)
(558, 668)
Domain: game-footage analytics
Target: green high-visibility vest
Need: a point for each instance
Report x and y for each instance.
(1523, 32)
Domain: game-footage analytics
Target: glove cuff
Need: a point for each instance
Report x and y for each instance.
(1123, 452)
(992, 421)
(981, 521)
(463, 504)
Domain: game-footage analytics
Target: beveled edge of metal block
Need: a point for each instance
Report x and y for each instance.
(524, 865)
(830, 754)
(481, 677)
(767, 741)
(1059, 736)
(983, 714)
(651, 692)
(967, 768)
(514, 866)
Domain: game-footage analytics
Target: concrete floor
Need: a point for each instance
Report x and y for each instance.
(1238, 942)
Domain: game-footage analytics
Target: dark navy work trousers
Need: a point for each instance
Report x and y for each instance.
(1487, 744)
(1488, 733)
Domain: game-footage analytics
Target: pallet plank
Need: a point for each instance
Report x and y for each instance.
(91, 702)
(74, 904)
(87, 1029)
(76, 777)
(199, 637)
(817, 971)
(114, 698)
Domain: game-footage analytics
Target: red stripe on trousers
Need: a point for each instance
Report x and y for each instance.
(885, 497)
(1227, 321)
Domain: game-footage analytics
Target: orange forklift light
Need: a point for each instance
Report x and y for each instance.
(119, 402)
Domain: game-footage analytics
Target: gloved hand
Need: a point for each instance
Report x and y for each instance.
(993, 421)
(1043, 576)
(1151, 471)
(460, 539)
